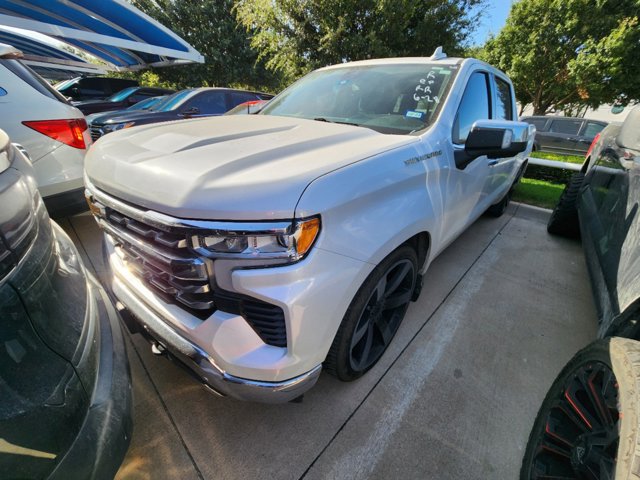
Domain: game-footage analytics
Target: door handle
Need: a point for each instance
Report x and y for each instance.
(491, 163)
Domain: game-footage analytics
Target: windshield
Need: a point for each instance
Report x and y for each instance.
(391, 98)
(122, 94)
(172, 102)
(145, 104)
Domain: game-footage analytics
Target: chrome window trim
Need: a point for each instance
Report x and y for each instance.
(171, 224)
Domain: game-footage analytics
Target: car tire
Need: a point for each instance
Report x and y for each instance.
(374, 315)
(588, 421)
(564, 218)
(497, 209)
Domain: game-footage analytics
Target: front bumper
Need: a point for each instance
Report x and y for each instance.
(201, 364)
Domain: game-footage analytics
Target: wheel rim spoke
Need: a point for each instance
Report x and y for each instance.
(397, 300)
(580, 436)
(382, 315)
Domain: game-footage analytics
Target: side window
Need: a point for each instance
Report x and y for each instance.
(504, 107)
(592, 129)
(31, 78)
(208, 103)
(92, 87)
(240, 97)
(474, 106)
(568, 127)
(538, 122)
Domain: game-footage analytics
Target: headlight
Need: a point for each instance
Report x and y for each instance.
(117, 126)
(290, 246)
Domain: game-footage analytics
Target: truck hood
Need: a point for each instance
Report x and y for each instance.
(246, 167)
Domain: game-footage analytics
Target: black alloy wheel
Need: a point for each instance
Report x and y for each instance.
(382, 315)
(374, 316)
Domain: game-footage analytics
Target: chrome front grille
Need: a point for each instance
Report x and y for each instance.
(159, 255)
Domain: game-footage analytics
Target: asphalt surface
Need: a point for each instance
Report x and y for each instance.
(502, 310)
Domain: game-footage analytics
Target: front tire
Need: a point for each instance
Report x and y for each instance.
(587, 426)
(374, 316)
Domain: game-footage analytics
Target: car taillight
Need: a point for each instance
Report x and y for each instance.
(68, 132)
(595, 139)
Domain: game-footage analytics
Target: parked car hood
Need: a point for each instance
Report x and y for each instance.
(245, 167)
(142, 116)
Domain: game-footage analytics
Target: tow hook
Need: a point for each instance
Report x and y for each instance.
(157, 348)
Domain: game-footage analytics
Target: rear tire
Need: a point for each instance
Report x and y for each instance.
(374, 316)
(588, 421)
(564, 218)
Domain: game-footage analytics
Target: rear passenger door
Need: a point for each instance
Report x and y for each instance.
(588, 132)
(501, 169)
(562, 136)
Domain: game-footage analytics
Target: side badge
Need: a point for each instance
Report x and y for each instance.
(3, 92)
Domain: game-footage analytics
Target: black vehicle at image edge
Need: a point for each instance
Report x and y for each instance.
(65, 386)
(589, 423)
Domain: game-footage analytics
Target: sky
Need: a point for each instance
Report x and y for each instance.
(492, 21)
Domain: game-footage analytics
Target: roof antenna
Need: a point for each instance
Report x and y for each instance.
(438, 54)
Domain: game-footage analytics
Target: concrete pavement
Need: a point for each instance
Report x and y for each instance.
(502, 310)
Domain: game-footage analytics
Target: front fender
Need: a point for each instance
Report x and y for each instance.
(371, 207)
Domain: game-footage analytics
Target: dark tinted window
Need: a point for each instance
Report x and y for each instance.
(240, 97)
(141, 95)
(569, 127)
(89, 87)
(504, 107)
(592, 129)
(208, 103)
(538, 122)
(474, 106)
(32, 78)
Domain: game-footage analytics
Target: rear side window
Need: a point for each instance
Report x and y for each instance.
(504, 107)
(240, 97)
(592, 129)
(32, 79)
(474, 106)
(568, 127)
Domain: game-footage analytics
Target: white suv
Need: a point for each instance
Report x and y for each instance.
(259, 248)
(53, 133)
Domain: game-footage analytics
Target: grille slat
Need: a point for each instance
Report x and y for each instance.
(163, 262)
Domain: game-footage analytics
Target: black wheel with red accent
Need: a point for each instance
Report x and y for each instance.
(587, 426)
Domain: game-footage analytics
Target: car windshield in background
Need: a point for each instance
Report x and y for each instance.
(121, 95)
(146, 104)
(396, 99)
(171, 102)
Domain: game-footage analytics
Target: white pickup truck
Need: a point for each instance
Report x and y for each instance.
(259, 248)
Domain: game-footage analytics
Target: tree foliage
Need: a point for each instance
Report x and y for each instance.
(569, 54)
(296, 36)
(211, 27)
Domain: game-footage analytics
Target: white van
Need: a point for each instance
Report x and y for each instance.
(53, 133)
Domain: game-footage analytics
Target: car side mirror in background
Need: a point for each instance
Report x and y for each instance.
(191, 111)
(495, 139)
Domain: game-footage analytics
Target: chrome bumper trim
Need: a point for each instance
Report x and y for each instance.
(171, 224)
(204, 366)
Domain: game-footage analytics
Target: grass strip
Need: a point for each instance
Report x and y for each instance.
(537, 192)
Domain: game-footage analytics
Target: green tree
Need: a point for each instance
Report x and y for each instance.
(570, 54)
(211, 27)
(296, 36)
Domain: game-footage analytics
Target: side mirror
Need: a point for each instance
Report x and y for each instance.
(495, 139)
(191, 111)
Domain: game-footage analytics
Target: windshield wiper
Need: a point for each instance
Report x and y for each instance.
(322, 119)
